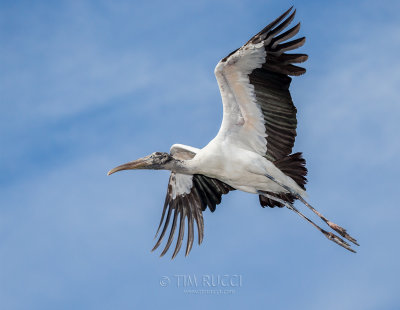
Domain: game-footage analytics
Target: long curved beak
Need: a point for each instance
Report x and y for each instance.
(141, 163)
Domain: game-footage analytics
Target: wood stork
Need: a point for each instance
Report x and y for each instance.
(252, 150)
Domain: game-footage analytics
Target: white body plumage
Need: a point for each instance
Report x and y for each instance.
(240, 168)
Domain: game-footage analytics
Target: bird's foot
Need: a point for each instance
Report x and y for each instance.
(331, 236)
(341, 231)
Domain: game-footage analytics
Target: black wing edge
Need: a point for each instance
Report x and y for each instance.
(276, 45)
(271, 84)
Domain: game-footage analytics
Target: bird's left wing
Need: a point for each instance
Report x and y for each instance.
(254, 81)
(187, 197)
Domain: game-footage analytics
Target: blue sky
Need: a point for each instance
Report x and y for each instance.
(87, 85)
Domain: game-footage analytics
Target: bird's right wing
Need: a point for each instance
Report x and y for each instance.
(187, 197)
(259, 114)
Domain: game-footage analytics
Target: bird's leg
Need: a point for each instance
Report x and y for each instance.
(329, 235)
(340, 230)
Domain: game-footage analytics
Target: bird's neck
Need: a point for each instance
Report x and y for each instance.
(182, 166)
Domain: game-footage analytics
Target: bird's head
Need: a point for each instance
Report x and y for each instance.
(155, 161)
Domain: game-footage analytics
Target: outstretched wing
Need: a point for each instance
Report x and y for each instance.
(254, 81)
(187, 197)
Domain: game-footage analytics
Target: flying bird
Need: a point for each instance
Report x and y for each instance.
(252, 151)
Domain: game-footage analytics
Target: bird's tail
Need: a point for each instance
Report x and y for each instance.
(293, 166)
